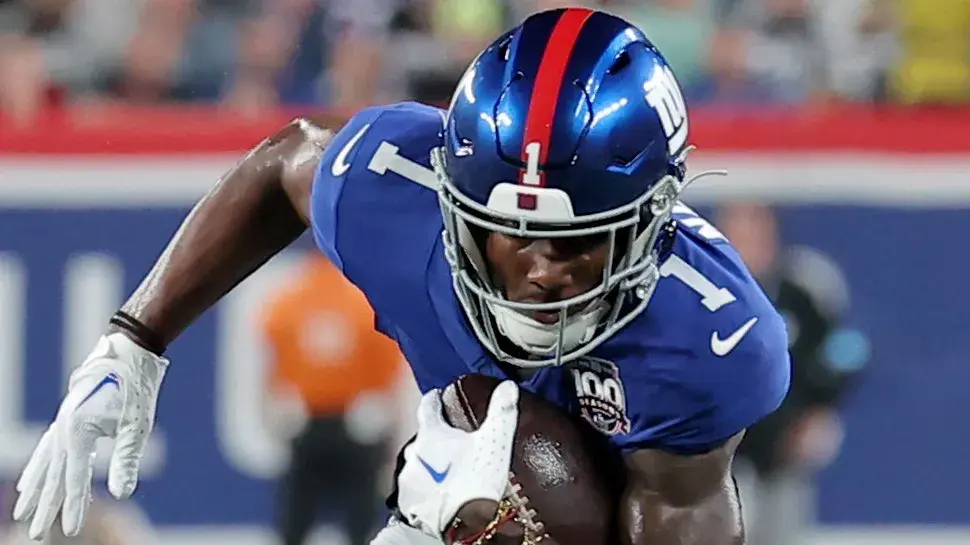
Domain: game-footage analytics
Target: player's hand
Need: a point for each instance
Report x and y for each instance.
(112, 394)
(445, 467)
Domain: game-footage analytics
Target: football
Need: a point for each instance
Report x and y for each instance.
(563, 482)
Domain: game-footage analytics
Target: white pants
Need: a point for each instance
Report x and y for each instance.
(398, 533)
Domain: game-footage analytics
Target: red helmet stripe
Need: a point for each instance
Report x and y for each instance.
(545, 91)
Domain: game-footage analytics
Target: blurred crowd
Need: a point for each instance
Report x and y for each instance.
(251, 55)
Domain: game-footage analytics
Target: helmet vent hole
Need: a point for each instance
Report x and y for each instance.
(619, 63)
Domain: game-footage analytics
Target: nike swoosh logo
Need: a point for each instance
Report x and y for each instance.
(340, 164)
(438, 476)
(722, 347)
(111, 378)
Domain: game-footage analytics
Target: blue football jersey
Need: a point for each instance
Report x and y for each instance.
(707, 359)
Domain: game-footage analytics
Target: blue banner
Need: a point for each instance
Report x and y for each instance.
(902, 462)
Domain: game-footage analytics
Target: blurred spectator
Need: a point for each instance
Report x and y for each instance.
(443, 38)
(856, 57)
(252, 54)
(933, 64)
(779, 456)
(255, 55)
(315, 52)
(793, 51)
(70, 46)
(331, 393)
(778, 55)
(682, 29)
(183, 49)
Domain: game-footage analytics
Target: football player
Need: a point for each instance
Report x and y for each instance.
(532, 232)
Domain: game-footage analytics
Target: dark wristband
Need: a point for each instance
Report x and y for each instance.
(139, 331)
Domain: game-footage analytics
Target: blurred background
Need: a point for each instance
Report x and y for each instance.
(845, 128)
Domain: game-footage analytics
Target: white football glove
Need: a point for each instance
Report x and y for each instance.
(445, 467)
(112, 394)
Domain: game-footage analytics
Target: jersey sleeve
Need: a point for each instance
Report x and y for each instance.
(686, 399)
(690, 402)
(374, 211)
(710, 356)
(331, 176)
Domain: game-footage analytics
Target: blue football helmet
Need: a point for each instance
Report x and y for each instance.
(571, 124)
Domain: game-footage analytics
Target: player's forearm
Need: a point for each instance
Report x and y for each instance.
(243, 221)
(648, 519)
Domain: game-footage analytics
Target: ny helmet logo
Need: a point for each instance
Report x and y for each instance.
(663, 95)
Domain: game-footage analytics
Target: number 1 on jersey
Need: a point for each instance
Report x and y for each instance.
(712, 296)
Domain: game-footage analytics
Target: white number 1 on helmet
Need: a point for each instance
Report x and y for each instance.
(531, 174)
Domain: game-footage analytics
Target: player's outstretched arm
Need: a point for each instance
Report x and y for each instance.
(257, 209)
(681, 500)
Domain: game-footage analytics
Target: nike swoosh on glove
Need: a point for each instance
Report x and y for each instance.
(112, 394)
(445, 468)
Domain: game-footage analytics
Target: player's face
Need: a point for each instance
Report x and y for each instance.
(545, 270)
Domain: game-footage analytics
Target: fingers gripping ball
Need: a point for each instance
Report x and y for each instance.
(556, 492)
